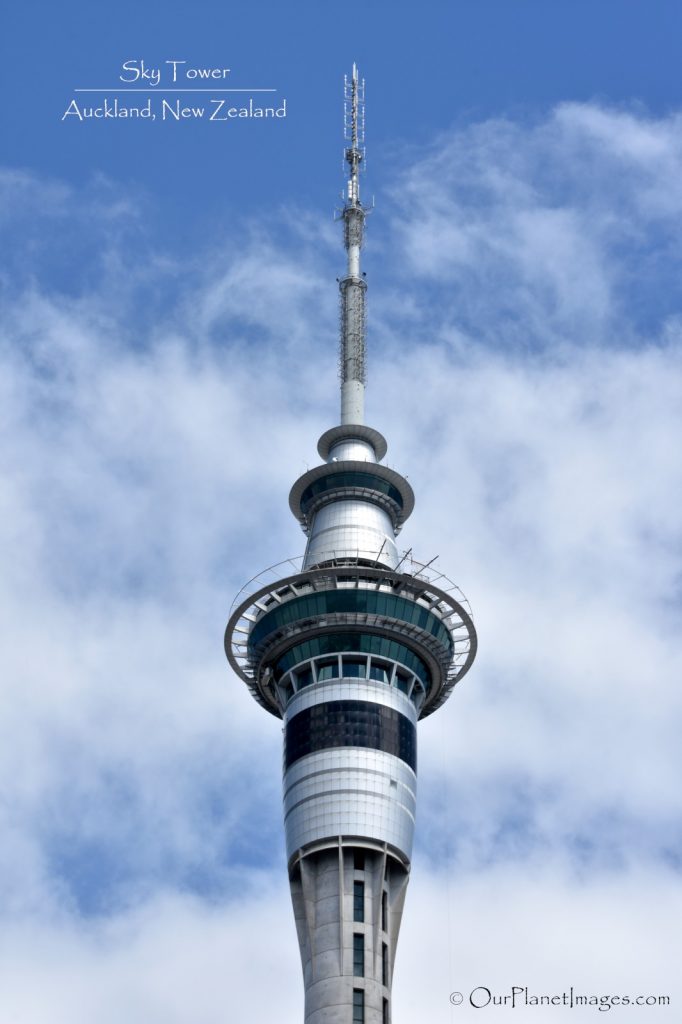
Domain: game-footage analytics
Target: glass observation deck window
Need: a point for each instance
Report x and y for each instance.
(357, 601)
(382, 648)
(322, 670)
(354, 668)
(304, 677)
(380, 671)
(327, 669)
(403, 681)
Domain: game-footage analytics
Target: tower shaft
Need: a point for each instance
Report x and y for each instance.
(348, 903)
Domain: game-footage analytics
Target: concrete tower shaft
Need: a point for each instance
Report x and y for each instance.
(350, 646)
(348, 904)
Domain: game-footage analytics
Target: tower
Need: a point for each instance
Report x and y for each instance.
(350, 649)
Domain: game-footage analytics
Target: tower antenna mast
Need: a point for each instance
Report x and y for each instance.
(353, 287)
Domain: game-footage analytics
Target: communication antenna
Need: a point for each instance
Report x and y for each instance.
(354, 130)
(353, 287)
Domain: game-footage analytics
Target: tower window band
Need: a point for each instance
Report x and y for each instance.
(353, 478)
(350, 723)
(370, 602)
(362, 643)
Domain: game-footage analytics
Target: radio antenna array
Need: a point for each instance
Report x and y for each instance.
(354, 129)
(352, 287)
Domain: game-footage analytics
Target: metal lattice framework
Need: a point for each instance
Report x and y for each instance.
(352, 318)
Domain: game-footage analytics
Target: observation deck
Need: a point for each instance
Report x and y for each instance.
(410, 628)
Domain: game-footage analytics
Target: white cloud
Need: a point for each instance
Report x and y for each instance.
(539, 927)
(528, 381)
(562, 231)
(171, 960)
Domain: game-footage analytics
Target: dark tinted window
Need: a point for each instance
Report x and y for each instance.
(380, 673)
(358, 901)
(353, 478)
(354, 668)
(304, 677)
(358, 1006)
(328, 670)
(402, 681)
(350, 723)
(363, 643)
(359, 956)
(371, 602)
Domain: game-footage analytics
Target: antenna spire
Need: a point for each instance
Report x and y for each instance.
(352, 286)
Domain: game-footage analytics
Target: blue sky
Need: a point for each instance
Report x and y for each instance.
(429, 68)
(167, 363)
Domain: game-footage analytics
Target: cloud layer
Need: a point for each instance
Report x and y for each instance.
(525, 367)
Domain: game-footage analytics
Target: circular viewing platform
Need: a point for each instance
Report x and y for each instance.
(350, 618)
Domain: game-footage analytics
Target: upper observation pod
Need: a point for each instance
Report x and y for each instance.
(351, 508)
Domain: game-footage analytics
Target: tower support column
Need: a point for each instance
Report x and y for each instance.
(348, 903)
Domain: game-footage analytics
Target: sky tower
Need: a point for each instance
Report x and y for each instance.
(350, 649)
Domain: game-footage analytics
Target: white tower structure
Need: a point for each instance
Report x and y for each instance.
(350, 646)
